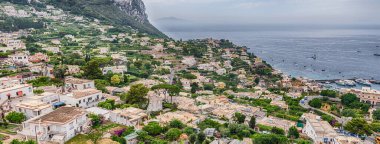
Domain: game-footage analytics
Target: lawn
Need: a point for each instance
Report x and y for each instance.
(10, 129)
(79, 139)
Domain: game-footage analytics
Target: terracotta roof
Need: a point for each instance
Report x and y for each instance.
(61, 115)
(85, 92)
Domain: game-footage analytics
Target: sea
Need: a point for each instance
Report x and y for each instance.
(315, 52)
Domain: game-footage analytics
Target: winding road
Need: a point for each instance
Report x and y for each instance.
(306, 105)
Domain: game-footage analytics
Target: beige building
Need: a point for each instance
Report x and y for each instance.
(368, 95)
(130, 116)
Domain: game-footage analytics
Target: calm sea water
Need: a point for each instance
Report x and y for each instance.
(340, 53)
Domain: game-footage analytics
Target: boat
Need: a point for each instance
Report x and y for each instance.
(375, 81)
(376, 54)
(363, 82)
(314, 57)
(349, 83)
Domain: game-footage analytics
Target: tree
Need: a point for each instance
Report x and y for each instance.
(194, 87)
(96, 120)
(329, 93)
(115, 79)
(101, 85)
(173, 134)
(153, 128)
(15, 117)
(316, 103)
(108, 104)
(349, 98)
(252, 122)
(293, 133)
(136, 95)
(239, 117)
(269, 139)
(176, 124)
(349, 112)
(173, 90)
(201, 137)
(60, 71)
(189, 130)
(376, 114)
(193, 138)
(276, 130)
(358, 126)
(92, 70)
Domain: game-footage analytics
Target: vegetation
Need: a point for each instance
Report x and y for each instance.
(329, 93)
(15, 117)
(316, 103)
(358, 126)
(136, 95)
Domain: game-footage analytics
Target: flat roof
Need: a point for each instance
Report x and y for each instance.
(60, 115)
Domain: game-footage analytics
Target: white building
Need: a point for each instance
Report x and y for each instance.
(19, 90)
(189, 61)
(20, 58)
(206, 67)
(52, 49)
(33, 109)
(46, 97)
(58, 126)
(115, 69)
(78, 84)
(99, 111)
(83, 98)
(317, 129)
(130, 116)
(73, 69)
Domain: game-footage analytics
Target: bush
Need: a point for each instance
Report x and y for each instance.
(276, 130)
(15, 117)
(173, 134)
(153, 128)
(316, 103)
(176, 124)
(329, 93)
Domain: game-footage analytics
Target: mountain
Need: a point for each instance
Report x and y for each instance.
(118, 12)
(170, 19)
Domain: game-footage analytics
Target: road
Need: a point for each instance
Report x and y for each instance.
(307, 106)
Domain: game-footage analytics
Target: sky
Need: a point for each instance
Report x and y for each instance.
(347, 12)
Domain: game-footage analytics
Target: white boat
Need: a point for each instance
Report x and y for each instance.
(363, 82)
(345, 83)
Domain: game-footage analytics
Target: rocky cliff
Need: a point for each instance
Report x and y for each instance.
(118, 12)
(134, 8)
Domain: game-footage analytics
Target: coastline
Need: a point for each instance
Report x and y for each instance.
(330, 80)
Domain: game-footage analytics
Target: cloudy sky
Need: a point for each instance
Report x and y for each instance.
(267, 11)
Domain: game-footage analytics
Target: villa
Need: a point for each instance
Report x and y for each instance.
(58, 126)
